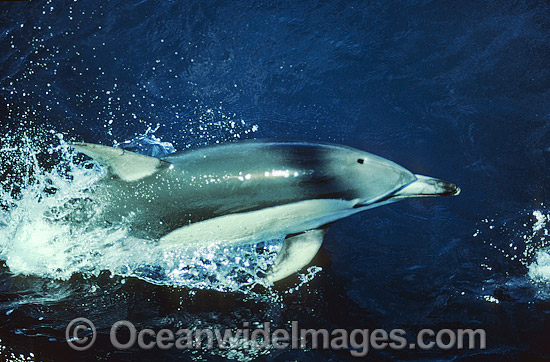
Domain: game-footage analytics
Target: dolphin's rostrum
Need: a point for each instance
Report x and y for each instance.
(251, 191)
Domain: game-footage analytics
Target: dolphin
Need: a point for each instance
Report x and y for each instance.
(250, 191)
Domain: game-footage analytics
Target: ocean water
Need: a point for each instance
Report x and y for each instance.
(454, 90)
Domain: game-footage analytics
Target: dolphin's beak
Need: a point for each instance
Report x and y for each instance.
(423, 186)
(426, 186)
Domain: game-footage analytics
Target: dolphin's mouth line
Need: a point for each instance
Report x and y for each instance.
(376, 202)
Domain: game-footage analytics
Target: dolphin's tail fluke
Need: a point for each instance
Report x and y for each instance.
(426, 186)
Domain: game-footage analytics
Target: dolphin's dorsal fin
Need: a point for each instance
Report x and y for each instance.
(126, 165)
(297, 251)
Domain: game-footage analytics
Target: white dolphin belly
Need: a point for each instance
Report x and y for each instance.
(264, 224)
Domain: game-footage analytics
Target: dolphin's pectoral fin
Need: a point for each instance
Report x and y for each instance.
(126, 165)
(297, 251)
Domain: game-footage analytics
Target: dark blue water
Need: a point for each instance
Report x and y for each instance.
(454, 90)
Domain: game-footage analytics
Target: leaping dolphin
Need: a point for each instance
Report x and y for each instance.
(251, 191)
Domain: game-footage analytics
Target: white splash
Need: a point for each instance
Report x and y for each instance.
(49, 229)
(539, 268)
(528, 244)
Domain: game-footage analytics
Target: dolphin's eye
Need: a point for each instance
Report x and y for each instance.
(360, 160)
